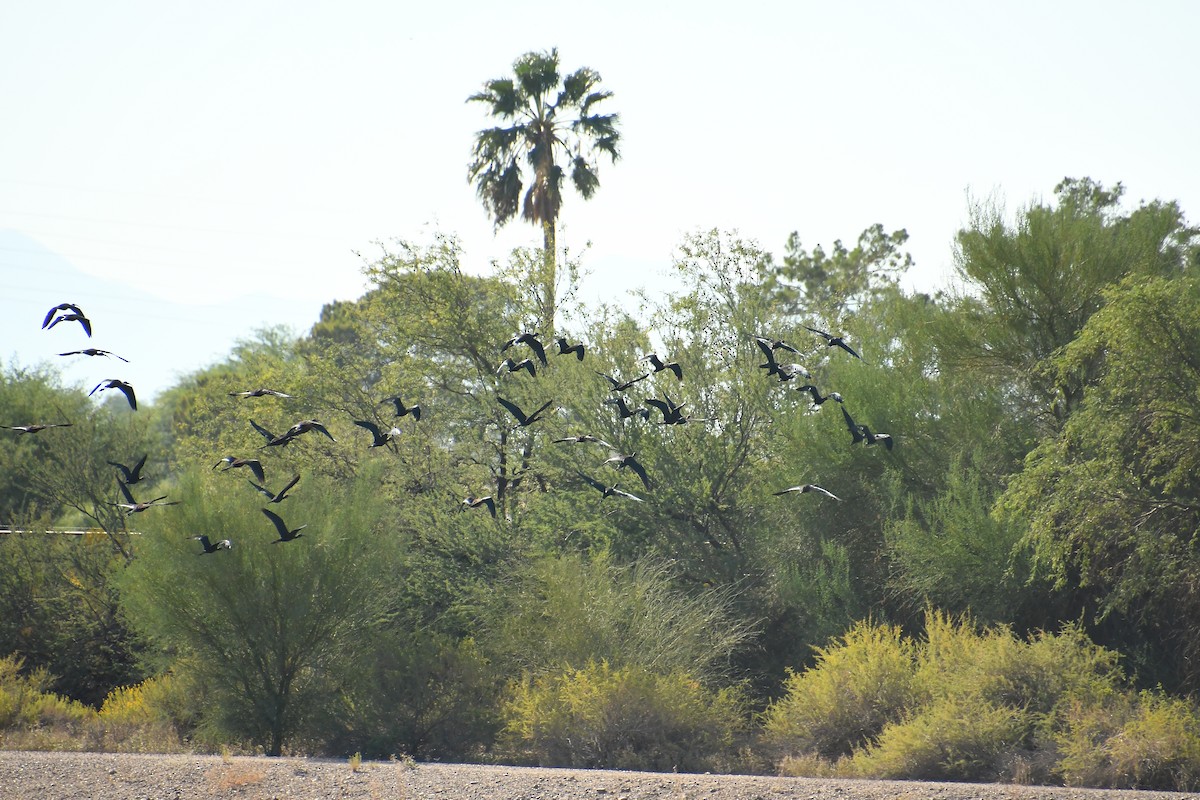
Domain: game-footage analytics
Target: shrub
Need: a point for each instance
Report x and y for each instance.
(857, 685)
(622, 718)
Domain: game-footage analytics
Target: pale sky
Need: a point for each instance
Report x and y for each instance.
(189, 172)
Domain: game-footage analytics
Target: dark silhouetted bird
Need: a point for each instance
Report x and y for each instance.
(300, 428)
(818, 398)
(380, 437)
(93, 351)
(625, 411)
(565, 349)
(470, 501)
(212, 547)
(672, 412)
(277, 497)
(808, 487)
(622, 461)
(834, 341)
(508, 365)
(113, 383)
(772, 345)
(660, 365)
(285, 535)
(584, 439)
(855, 430)
(606, 490)
(770, 365)
(252, 464)
(130, 476)
(132, 506)
(403, 410)
(71, 307)
(268, 435)
(620, 386)
(76, 315)
(523, 420)
(863, 433)
(259, 393)
(533, 343)
(23, 429)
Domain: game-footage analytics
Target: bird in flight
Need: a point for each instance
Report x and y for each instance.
(130, 476)
(606, 490)
(75, 315)
(834, 341)
(620, 386)
(470, 501)
(381, 437)
(565, 349)
(808, 487)
(300, 428)
(212, 547)
(818, 398)
(402, 410)
(276, 497)
(584, 439)
(132, 506)
(774, 344)
(529, 339)
(252, 464)
(624, 410)
(672, 412)
(93, 351)
(285, 535)
(508, 365)
(259, 393)
(523, 420)
(660, 365)
(270, 437)
(24, 429)
(622, 461)
(113, 383)
(863, 433)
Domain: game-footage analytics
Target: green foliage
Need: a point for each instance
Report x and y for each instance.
(600, 716)
(860, 682)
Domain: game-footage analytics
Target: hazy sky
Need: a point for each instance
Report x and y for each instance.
(190, 172)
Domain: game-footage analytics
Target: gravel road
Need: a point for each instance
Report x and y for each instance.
(108, 776)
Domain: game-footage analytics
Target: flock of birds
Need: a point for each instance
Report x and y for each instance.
(672, 413)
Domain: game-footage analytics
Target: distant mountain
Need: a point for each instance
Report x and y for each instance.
(163, 340)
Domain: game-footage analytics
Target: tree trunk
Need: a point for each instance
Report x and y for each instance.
(549, 276)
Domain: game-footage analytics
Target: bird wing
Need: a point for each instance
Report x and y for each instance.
(490, 502)
(127, 390)
(765, 346)
(278, 522)
(373, 428)
(135, 474)
(623, 493)
(855, 430)
(125, 472)
(678, 370)
(264, 491)
(282, 492)
(416, 413)
(623, 386)
(788, 490)
(812, 487)
(595, 484)
(849, 349)
(638, 470)
(537, 348)
(827, 337)
(316, 426)
(514, 410)
(255, 467)
(128, 495)
(535, 416)
(611, 380)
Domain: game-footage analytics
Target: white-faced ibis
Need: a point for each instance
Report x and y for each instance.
(212, 547)
(523, 420)
(608, 491)
(834, 341)
(285, 535)
(771, 345)
(660, 365)
(586, 438)
(260, 393)
(530, 339)
(93, 351)
(403, 410)
(863, 433)
(380, 437)
(620, 386)
(565, 349)
(252, 464)
(132, 506)
(275, 497)
(808, 487)
(508, 365)
(470, 501)
(625, 411)
(76, 315)
(818, 398)
(113, 383)
(71, 307)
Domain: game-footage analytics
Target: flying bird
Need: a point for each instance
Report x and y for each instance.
(770, 365)
(252, 464)
(270, 437)
(381, 437)
(660, 365)
(788, 371)
(855, 430)
(620, 386)
(565, 349)
(300, 428)
(863, 433)
(132, 506)
(470, 501)
(808, 487)
(516, 366)
(60, 307)
(606, 490)
(24, 429)
(113, 383)
(672, 412)
(532, 341)
(93, 351)
(212, 547)
(130, 476)
(285, 535)
(259, 393)
(624, 410)
(774, 344)
(818, 398)
(523, 420)
(277, 497)
(834, 341)
(402, 410)
(622, 461)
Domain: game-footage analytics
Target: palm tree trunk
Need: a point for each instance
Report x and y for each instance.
(549, 276)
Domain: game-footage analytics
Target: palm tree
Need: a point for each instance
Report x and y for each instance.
(551, 124)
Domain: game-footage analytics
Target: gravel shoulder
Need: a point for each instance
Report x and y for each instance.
(116, 776)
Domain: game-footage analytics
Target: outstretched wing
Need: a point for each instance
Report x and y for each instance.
(277, 521)
(374, 429)
(595, 484)
(514, 409)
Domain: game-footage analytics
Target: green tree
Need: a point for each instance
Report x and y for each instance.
(549, 123)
